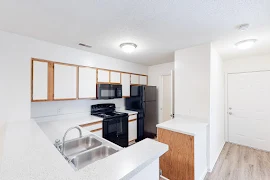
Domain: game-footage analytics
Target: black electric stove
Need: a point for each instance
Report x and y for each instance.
(115, 124)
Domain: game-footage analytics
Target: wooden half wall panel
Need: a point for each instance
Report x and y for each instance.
(178, 162)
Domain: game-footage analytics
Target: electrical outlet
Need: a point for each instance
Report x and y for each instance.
(59, 110)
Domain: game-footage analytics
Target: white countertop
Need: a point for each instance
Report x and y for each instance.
(185, 125)
(127, 111)
(55, 126)
(29, 154)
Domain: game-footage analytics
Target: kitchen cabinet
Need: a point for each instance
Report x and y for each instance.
(94, 127)
(52, 81)
(115, 77)
(39, 80)
(125, 84)
(87, 82)
(103, 76)
(98, 132)
(132, 127)
(143, 80)
(65, 82)
(134, 79)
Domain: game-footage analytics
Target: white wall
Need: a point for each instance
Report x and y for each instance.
(154, 79)
(192, 82)
(199, 92)
(216, 125)
(15, 54)
(55, 108)
(247, 64)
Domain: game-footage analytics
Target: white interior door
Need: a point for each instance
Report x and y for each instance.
(248, 109)
(166, 97)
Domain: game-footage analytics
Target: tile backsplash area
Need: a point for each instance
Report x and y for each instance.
(55, 108)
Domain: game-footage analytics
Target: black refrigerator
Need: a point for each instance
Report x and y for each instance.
(143, 100)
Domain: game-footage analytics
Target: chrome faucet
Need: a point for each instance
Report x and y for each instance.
(76, 127)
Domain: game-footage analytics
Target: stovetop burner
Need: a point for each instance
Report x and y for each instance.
(105, 111)
(109, 114)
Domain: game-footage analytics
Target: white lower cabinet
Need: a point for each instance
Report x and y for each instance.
(132, 130)
(95, 128)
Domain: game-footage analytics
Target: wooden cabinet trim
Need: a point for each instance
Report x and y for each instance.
(90, 124)
(43, 60)
(77, 83)
(50, 81)
(95, 130)
(133, 140)
(132, 120)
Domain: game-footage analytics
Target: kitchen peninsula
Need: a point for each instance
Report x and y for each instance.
(29, 154)
(187, 155)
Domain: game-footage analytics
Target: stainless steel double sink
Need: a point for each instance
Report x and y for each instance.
(83, 151)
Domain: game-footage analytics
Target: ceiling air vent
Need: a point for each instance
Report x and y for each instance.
(85, 45)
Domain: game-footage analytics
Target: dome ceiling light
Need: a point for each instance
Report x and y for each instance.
(245, 44)
(128, 47)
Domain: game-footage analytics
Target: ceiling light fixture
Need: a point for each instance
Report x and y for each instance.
(245, 44)
(128, 47)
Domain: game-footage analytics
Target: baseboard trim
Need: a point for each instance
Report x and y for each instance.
(216, 158)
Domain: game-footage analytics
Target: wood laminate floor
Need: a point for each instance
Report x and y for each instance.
(241, 163)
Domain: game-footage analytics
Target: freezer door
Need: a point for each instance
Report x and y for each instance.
(150, 93)
(150, 119)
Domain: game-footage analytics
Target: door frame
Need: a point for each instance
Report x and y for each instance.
(226, 117)
(161, 92)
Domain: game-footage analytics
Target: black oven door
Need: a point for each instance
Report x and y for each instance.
(116, 130)
(105, 91)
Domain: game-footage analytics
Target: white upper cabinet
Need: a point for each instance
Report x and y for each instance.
(143, 80)
(125, 84)
(87, 82)
(134, 79)
(40, 81)
(115, 77)
(103, 76)
(65, 81)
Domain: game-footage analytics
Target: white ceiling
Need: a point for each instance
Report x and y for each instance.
(158, 27)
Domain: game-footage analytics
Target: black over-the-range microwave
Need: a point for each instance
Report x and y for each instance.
(109, 91)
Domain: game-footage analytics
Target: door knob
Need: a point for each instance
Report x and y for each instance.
(230, 108)
(230, 113)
